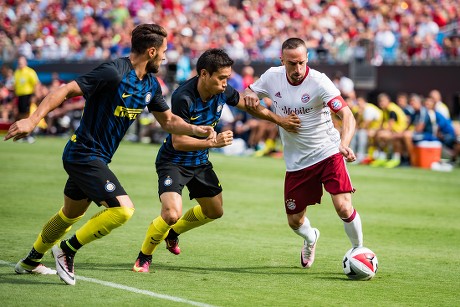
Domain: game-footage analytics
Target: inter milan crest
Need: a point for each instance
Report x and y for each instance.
(219, 108)
(148, 97)
(290, 204)
(110, 186)
(168, 181)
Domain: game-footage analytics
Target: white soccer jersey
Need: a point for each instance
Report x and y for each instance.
(312, 101)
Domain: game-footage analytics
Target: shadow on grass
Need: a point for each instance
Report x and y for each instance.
(256, 269)
(29, 279)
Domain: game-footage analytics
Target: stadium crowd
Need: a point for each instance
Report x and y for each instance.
(376, 31)
(335, 31)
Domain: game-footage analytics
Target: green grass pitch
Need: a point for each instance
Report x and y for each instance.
(250, 257)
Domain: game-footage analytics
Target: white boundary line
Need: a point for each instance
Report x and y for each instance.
(131, 289)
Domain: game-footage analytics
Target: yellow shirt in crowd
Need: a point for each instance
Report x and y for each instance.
(25, 80)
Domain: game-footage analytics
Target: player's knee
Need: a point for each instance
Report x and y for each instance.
(215, 214)
(122, 214)
(170, 217)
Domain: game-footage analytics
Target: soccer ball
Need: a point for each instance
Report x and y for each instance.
(360, 263)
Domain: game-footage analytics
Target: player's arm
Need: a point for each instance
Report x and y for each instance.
(173, 124)
(250, 103)
(188, 143)
(55, 98)
(338, 105)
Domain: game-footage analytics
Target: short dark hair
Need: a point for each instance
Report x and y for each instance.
(145, 36)
(212, 60)
(293, 43)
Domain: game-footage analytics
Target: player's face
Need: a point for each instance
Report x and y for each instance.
(295, 61)
(217, 82)
(153, 65)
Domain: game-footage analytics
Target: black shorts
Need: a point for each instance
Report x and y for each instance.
(24, 104)
(93, 181)
(201, 181)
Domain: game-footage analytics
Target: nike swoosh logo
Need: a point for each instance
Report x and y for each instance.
(124, 95)
(193, 118)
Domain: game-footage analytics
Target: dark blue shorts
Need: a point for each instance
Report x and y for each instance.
(93, 181)
(201, 181)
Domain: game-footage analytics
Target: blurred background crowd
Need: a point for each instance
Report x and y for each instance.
(337, 31)
(381, 30)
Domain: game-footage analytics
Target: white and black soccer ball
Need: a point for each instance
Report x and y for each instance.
(360, 263)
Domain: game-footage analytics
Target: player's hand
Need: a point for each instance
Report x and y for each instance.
(347, 153)
(290, 123)
(224, 138)
(20, 129)
(212, 137)
(251, 101)
(204, 131)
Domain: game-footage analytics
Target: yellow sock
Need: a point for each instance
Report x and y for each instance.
(102, 223)
(371, 151)
(53, 230)
(157, 232)
(270, 145)
(193, 218)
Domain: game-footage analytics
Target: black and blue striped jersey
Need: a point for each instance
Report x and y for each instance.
(187, 104)
(115, 96)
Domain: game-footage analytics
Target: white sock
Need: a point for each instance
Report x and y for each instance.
(353, 229)
(306, 231)
(396, 156)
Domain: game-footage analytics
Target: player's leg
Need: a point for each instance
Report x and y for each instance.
(303, 188)
(56, 227)
(208, 210)
(100, 184)
(350, 217)
(171, 210)
(337, 182)
(171, 181)
(206, 189)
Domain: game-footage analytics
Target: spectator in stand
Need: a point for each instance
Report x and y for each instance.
(248, 75)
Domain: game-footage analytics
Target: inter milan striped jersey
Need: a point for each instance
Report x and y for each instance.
(187, 104)
(115, 96)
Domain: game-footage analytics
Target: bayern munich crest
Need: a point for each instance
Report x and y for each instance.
(336, 104)
(305, 98)
(110, 186)
(148, 97)
(290, 204)
(168, 181)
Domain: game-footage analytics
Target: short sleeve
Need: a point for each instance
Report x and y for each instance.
(180, 105)
(261, 85)
(233, 97)
(98, 78)
(158, 102)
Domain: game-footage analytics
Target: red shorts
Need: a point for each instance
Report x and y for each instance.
(304, 187)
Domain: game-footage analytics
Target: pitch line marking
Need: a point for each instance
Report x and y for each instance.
(131, 289)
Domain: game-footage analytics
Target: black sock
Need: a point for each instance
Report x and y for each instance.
(71, 246)
(172, 235)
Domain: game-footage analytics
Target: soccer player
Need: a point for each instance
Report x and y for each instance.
(115, 93)
(183, 160)
(315, 156)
